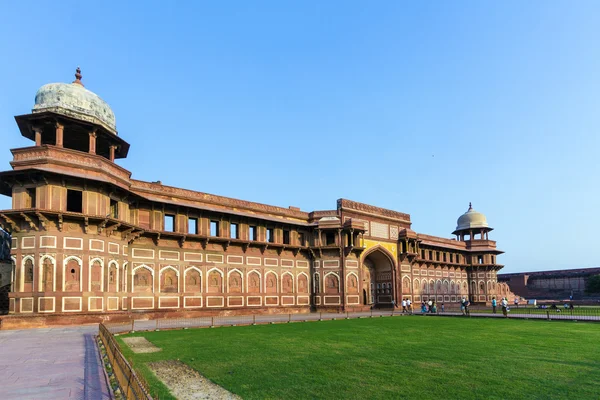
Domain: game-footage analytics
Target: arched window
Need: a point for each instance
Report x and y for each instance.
(28, 271)
(72, 276)
(193, 283)
(303, 283)
(47, 275)
(235, 282)
(253, 282)
(332, 284)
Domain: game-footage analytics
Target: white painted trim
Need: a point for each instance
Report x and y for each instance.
(41, 271)
(192, 297)
(307, 282)
(90, 303)
(271, 297)
(72, 248)
(160, 278)
(48, 247)
(72, 297)
(293, 281)
(185, 276)
(325, 278)
(241, 277)
(235, 297)
(110, 263)
(277, 288)
(215, 297)
(53, 304)
(93, 241)
(260, 283)
(254, 305)
(22, 280)
(133, 274)
(108, 303)
(222, 278)
(167, 297)
(91, 263)
(65, 262)
(141, 308)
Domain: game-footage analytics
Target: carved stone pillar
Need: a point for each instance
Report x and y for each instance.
(93, 142)
(112, 153)
(59, 134)
(38, 135)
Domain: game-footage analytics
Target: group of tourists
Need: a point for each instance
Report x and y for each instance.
(503, 304)
(430, 307)
(407, 306)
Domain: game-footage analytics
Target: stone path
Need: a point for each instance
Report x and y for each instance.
(51, 363)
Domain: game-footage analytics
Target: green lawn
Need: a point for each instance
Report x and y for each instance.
(384, 358)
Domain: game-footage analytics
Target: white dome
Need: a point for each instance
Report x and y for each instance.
(471, 219)
(75, 101)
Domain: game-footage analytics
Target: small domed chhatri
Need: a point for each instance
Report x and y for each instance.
(471, 219)
(75, 101)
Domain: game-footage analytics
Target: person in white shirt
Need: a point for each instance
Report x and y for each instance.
(409, 305)
(403, 305)
(504, 306)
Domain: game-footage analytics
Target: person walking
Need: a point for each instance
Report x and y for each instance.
(462, 306)
(516, 302)
(409, 306)
(423, 307)
(494, 305)
(430, 305)
(467, 304)
(404, 306)
(504, 304)
(442, 307)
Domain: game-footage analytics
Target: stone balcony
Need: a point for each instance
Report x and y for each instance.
(70, 162)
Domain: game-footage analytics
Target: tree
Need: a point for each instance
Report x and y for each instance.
(593, 284)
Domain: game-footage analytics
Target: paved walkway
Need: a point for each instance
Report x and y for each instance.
(51, 363)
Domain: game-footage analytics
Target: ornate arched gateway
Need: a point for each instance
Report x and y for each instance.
(377, 276)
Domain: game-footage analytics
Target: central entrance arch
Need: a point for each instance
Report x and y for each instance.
(377, 270)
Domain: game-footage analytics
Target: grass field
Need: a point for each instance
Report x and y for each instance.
(385, 358)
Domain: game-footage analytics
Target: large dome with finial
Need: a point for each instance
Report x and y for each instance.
(75, 101)
(471, 219)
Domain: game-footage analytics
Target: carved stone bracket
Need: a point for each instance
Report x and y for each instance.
(32, 224)
(226, 245)
(43, 220)
(60, 222)
(204, 243)
(263, 248)
(182, 241)
(133, 236)
(13, 225)
(112, 228)
(125, 234)
(157, 239)
(102, 226)
(245, 246)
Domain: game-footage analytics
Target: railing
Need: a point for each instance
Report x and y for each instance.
(132, 386)
(579, 313)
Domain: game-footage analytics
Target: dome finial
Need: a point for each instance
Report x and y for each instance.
(470, 206)
(78, 76)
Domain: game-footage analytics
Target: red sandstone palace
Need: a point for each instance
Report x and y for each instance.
(87, 238)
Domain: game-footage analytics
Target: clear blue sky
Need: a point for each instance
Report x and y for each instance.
(418, 107)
